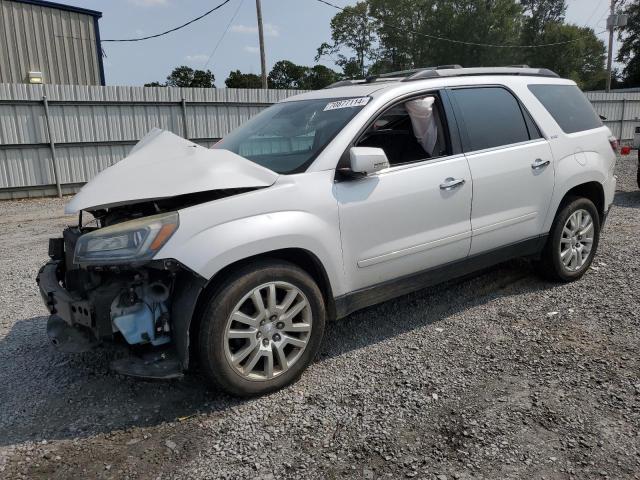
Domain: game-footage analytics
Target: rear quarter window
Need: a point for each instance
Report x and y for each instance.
(568, 106)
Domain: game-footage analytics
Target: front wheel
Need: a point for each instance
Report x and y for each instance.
(573, 241)
(262, 328)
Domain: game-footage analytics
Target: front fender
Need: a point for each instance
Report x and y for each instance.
(210, 250)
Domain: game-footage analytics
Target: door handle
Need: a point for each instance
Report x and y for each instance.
(451, 183)
(539, 163)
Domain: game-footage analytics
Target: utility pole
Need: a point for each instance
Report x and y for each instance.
(263, 60)
(611, 25)
(612, 22)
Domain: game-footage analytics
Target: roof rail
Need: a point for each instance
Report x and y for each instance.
(443, 71)
(344, 83)
(464, 72)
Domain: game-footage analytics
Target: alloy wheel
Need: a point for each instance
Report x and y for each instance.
(577, 239)
(268, 330)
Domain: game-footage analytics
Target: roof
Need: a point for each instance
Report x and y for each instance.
(61, 6)
(359, 90)
(417, 80)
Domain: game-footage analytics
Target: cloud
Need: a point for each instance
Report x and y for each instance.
(197, 58)
(150, 3)
(251, 49)
(270, 30)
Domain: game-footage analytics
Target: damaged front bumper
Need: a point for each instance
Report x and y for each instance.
(147, 307)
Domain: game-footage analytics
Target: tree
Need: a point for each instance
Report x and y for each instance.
(539, 14)
(286, 74)
(318, 77)
(188, 77)
(582, 59)
(408, 31)
(354, 30)
(407, 34)
(154, 84)
(238, 79)
(629, 52)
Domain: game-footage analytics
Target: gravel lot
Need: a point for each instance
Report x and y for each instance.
(498, 376)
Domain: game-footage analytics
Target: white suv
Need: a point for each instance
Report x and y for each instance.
(234, 257)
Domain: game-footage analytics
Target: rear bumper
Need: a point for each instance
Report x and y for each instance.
(609, 191)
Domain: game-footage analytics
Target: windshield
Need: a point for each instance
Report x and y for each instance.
(288, 136)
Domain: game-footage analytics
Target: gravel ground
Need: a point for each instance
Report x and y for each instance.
(501, 375)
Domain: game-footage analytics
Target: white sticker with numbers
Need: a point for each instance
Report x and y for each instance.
(349, 102)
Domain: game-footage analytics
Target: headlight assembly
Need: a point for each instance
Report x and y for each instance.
(135, 240)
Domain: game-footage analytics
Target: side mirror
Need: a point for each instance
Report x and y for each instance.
(367, 160)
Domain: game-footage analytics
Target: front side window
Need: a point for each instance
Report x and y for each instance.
(288, 136)
(568, 106)
(492, 117)
(409, 131)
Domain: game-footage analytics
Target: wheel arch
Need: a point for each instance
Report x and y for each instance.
(302, 258)
(585, 187)
(593, 191)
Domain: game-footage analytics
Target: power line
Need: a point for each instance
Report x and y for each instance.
(462, 42)
(169, 31)
(593, 13)
(226, 30)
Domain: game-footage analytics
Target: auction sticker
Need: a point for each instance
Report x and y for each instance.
(349, 102)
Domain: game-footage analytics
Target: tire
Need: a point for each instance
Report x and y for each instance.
(270, 336)
(551, 264)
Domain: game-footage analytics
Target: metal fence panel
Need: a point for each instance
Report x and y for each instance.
(622, 111)
(94, 127)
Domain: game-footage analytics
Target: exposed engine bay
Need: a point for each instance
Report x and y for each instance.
(129, 303)
(104, 285)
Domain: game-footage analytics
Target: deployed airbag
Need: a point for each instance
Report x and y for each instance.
(424, 122)
(164, 165)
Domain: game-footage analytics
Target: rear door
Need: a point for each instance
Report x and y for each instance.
(511, 165)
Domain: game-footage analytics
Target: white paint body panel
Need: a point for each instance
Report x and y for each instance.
(399, 221)
(364, 231)
(298, 211)
(510, 199)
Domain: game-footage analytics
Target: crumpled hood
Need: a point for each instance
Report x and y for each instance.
(164, 165)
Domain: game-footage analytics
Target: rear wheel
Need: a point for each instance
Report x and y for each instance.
(262, 329)
(573, 241)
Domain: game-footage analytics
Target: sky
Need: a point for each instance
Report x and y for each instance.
(293, 30)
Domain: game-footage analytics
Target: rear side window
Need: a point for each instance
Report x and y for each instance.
(568, 106)
(492, 117)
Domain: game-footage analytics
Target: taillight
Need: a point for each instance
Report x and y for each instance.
(614, 143)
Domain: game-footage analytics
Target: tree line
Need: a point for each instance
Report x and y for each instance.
(378, 36)
(284, 74)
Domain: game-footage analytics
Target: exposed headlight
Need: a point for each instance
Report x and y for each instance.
(134, 240)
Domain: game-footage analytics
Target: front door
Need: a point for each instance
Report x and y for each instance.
(404, 219)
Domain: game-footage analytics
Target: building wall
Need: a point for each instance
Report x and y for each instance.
(61, 44)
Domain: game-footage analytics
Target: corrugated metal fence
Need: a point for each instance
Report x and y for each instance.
(88, 128)
(622, 111)
(80, 130)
